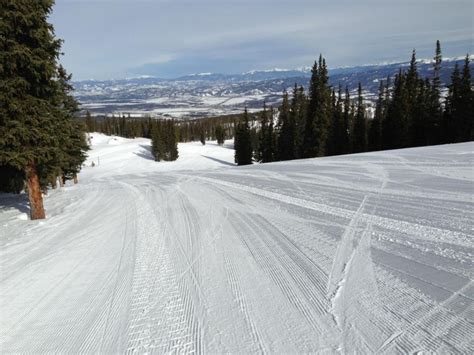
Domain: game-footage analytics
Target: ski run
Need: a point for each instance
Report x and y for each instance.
(367, 253)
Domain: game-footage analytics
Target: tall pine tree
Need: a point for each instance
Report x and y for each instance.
(36, 130)
(360, 125)
(286, 137)
(242, 141)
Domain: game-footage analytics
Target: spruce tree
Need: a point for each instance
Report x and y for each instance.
(73, 142)
(341, 131)
(266, 146)
(242, 141)
(338, 130)
(451, 116)
(464, 122)
(157, 142)
(90, 122)
(171, 141)
(286, 137)
(262, 135)
(412, 91)
(318, 113)
(220, 135)
(375, 130)
(395, 129)
(298, 110)
(346, 144)
(433, 127)
(202, 136)
(32, 131)
(360, 125)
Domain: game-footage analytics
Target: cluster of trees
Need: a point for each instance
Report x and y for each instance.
(122, 126)
(413, 113)
(165, 134)
(40, 139)
(408, 113)
(164, 140)
(243, 141)
(217, 128)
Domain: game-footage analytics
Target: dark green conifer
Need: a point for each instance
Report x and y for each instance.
(286, 138)
(434, 118)
(242, 141)
(35, 128)
(318, 113)
(360, 125)
(220, 134)
(375, 130)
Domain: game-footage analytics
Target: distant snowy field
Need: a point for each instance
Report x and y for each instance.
(369, 253)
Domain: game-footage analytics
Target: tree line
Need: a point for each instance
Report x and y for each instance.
(208, 128)
(165, 133)
(409, 112)
(40, 139)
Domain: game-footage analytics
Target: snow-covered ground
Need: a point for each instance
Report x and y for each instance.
(370, 253)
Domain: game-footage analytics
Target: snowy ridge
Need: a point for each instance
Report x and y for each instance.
(367, 253)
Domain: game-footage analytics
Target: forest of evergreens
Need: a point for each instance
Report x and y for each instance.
(410, 112)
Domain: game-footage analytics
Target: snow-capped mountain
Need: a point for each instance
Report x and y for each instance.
(207, 94)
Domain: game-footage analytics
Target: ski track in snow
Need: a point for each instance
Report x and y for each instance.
(370, 253)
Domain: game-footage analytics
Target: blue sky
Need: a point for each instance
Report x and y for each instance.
(168, 38)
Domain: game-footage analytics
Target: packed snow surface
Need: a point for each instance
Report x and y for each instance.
(368, 253)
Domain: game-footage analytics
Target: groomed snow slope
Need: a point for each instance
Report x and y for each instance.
(369, 253)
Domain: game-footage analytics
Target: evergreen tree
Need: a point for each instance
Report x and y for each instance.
(433, 125)
(164, 145)
(202, 136)
(266, 145)
(171, 141)
(35, 127)
(298, 109)
(90, 122)
(346, 144)
(465, 117)
(286, 137)
(262, 135)
(395, 129)
(412, 92)
(220, 135)
(360, 125)
(451, 116)
(73, 142)
(318, 113)
(242, 142)
(421, 113)
(375, 131)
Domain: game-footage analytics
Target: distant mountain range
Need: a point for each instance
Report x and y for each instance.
(208, 94)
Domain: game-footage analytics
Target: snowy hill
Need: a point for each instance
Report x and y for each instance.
(368, 253)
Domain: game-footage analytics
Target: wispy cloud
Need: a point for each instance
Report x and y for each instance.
(111, 38)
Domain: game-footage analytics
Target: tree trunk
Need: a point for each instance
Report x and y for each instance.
(34, 192)
(75, 179)
(54, 183)
(62, 180)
